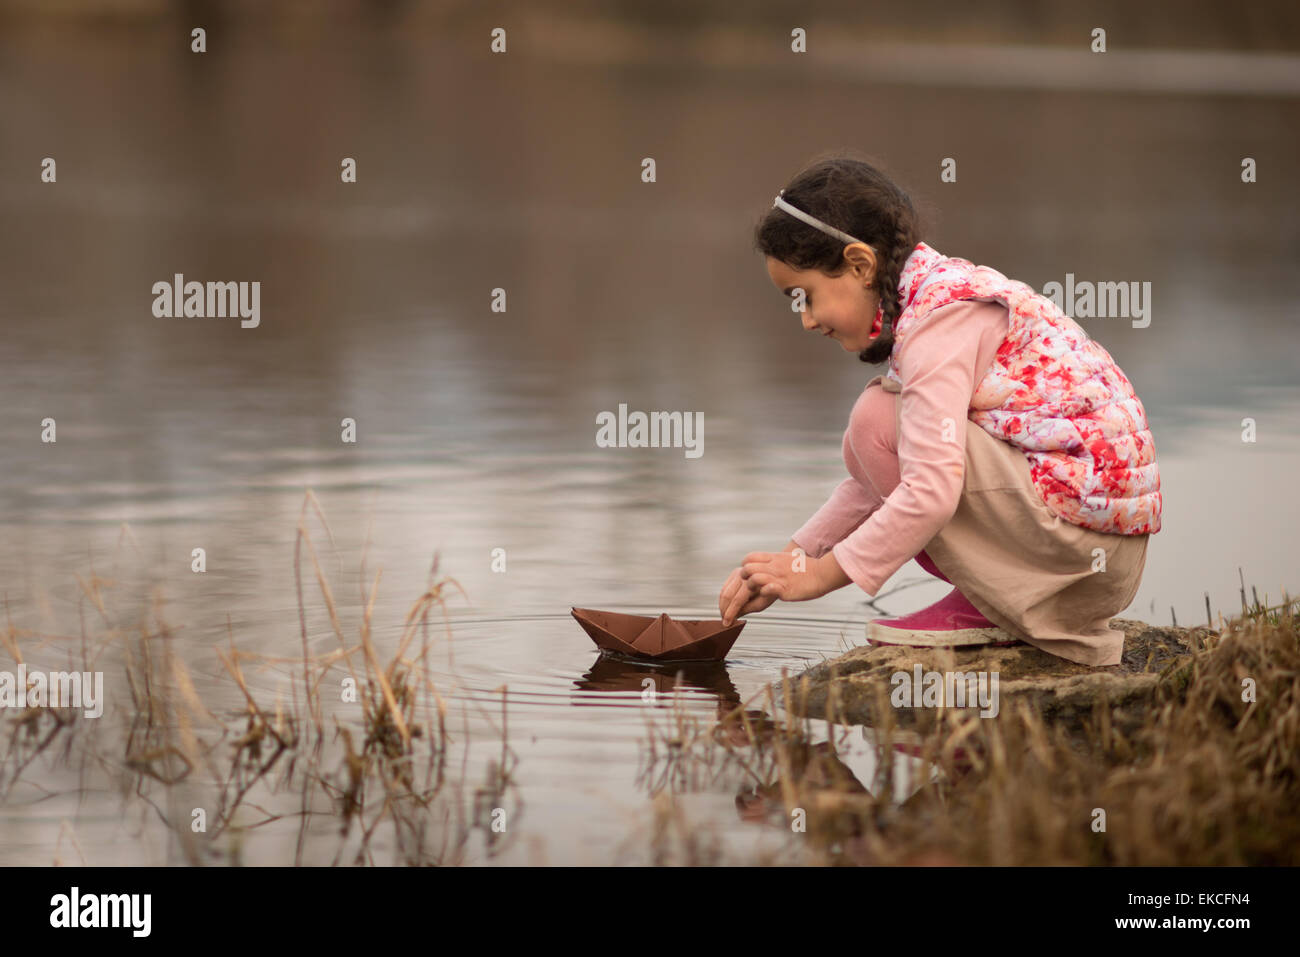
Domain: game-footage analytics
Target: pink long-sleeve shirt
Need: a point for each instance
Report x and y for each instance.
(940, 364)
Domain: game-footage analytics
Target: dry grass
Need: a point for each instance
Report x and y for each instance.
(1211, 778)
(376, 769)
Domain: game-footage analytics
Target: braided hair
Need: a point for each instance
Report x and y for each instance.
(854, 196)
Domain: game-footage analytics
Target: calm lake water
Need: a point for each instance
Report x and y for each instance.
(476, 429)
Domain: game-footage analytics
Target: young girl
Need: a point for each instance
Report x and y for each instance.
(1003, 449)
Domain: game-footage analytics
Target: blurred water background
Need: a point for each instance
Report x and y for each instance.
(476, 428)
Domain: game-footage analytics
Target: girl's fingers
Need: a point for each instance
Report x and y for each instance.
(733, 585)
(743, 596)
(728, 593)
(755, 603)
(735, 606)
(754, 561)
(751, 587)
(769, 587)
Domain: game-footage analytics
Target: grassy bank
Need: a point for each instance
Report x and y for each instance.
(1211, 777)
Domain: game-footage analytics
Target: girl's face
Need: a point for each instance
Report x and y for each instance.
(842, 307)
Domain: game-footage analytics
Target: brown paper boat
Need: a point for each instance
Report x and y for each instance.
(659, 639)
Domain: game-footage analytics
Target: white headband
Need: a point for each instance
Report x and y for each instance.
(812, 220)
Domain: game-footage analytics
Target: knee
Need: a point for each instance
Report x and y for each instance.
(874, 422)
(873, 432)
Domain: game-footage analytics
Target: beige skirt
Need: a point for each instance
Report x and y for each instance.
(1050, 583)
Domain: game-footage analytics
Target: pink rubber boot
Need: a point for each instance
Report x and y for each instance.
(951, 622)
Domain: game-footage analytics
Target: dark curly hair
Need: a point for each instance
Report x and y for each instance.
(853, 196)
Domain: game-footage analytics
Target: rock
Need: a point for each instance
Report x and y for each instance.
(1060, 691)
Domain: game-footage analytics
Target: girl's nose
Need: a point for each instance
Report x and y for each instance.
(806, 318)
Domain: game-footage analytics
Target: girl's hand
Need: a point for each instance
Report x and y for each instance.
(737, 599)
(792, 576)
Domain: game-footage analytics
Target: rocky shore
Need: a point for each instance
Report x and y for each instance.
(1059, 691)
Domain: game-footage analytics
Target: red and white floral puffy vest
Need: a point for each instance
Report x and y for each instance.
(1052, 392)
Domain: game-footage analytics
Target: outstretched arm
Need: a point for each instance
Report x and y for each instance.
(939, 364)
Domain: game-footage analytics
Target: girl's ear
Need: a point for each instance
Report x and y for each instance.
(862, 257)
